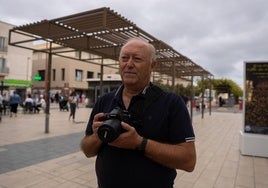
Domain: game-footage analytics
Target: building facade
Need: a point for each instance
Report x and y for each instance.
(15, 65)
(24, 70)
(67, 74)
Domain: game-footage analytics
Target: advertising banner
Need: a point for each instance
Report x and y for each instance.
(256, 98)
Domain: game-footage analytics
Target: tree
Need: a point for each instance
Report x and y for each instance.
(222, 86)
(179, 88)
(227, 86)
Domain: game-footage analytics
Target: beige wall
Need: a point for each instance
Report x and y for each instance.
(70, 65)
(18, 60)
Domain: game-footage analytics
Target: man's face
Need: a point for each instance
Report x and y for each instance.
(135, 64)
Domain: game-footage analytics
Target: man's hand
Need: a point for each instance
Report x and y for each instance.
(96, 123)
(129, 139)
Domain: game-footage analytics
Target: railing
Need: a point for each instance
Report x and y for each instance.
(4, 70)
(3, 48)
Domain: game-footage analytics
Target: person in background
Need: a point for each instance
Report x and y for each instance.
(42, 102)
(157, 137)
(83, 98)
(57, 97)
(5, 102)
(36, 105)
(28, 103)
(77, 100)
(73, 103)
(14, 102)
(185, 99)
(1, 106)
(29, 99)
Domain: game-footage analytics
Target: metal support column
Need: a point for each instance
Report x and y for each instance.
(101, 78)
(202, 103)
(47, 88)
(192, 97)
(210, 88)
(173, 76)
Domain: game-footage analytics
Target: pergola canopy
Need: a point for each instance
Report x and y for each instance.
(101, 32)
(96, 35)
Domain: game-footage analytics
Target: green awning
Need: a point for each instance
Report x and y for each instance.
(19, 83)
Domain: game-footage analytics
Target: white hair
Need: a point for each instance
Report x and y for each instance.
(151, 48)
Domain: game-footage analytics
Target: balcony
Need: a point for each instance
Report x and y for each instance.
(4, 71)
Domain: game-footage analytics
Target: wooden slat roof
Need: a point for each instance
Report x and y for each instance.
(102, 32)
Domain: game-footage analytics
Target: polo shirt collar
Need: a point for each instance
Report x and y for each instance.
(119, 91)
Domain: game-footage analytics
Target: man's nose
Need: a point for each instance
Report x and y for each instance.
(130, 61)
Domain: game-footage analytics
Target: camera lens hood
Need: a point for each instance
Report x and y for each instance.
(108, 133)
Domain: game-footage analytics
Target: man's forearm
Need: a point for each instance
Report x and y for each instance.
(90, 145)
(180, 156)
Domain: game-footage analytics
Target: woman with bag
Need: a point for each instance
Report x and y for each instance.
(72, 101)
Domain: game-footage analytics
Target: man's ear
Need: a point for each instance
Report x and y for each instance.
(153, 64)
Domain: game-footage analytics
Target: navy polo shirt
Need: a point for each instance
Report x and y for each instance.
(165, 119)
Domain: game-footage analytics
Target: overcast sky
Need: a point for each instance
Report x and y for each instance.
(218, 35)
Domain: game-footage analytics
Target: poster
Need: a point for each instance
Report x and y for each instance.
(256, 98)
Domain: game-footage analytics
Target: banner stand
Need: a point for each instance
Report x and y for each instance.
(254, 134)
(253, 144)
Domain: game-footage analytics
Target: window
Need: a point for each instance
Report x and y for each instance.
(99, 75)
(2, 64)
(90, 74)
(53, 74)
(62, 74)
(42, 74)
(3, 44)
(78, 75)
(78, 54)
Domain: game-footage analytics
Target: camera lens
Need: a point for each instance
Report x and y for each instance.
(110, 130)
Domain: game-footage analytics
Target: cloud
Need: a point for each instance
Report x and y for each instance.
(218, 35)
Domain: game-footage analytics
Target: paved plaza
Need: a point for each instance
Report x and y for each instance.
(31, 158)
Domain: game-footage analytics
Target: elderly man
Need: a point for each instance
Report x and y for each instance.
(157, 139)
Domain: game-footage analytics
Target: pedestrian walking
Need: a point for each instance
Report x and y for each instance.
(42, 102)
(1, 106)
(14, 102)
(73, 103)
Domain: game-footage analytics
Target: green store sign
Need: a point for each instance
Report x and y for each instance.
(21, 83)
(37, 77)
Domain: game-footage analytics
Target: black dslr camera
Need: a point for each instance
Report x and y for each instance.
(111, 127)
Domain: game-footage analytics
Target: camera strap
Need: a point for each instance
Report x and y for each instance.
(140, 103)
